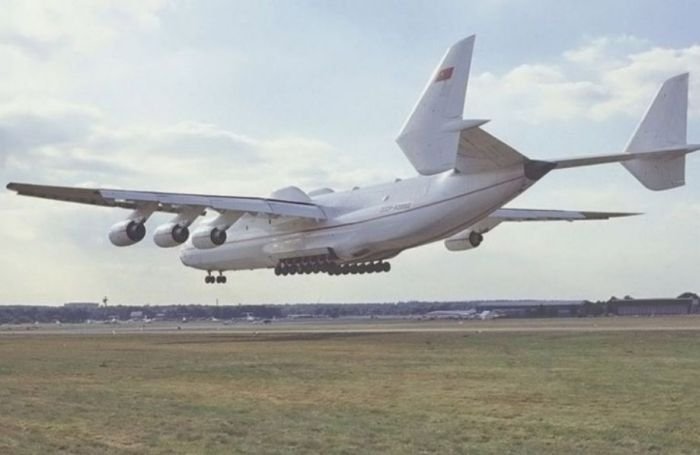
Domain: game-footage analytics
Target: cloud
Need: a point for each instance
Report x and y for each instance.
(69, 144)
(605, 77)
(605, 51)
(41, 29)
(25, 129)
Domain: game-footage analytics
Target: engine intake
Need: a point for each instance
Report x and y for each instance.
(170, 235)
(126, 233)
(464, 241)
(208, 237)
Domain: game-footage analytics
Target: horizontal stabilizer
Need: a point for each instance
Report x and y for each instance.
(480, 151)
(668, 154)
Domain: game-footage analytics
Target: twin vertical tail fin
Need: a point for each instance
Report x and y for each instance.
(430, 137)
(436, 138)
(663, 128)
(655, 154)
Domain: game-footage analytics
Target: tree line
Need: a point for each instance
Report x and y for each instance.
(25, 314)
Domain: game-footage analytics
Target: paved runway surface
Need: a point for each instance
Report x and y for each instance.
(611, 324)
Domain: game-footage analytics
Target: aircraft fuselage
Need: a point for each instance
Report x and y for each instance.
(365, 224)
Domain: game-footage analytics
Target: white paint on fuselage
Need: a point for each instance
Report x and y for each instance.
(368, 223)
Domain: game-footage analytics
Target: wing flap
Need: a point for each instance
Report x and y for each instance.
(170, 202)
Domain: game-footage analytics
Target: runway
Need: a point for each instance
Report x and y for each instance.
(359, 326)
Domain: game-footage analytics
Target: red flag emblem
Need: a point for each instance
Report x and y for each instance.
(444, 74)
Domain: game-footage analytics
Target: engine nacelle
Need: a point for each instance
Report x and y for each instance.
(464, 241)
(127, 232)
(208, 237)
(171, 234)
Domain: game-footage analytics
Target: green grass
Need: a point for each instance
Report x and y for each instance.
(613, 392)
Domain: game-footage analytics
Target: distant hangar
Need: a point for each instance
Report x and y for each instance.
(686, 304)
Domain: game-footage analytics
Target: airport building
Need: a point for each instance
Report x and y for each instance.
(533, 308)
(689, 304)
(653, 307)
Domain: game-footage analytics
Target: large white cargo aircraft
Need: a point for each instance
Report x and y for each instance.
(465, 177)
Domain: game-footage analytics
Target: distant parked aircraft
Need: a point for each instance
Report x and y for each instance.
(489, 314)
(451, 314)
(465, 177)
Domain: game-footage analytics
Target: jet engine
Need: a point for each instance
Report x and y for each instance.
(171, 234)
(208, 237)
(213, 234)
(127, 232)
(463, 241)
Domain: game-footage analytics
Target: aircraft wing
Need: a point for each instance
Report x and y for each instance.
(503, 215)
(170, 202)
(472, 237)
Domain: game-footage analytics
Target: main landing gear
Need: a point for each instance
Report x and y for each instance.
(211, 279)
(306, 266)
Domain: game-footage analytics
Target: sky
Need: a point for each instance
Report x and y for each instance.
(245, 97)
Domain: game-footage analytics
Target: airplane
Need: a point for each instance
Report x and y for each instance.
(451, 314)
(487, 315)
(465, 177)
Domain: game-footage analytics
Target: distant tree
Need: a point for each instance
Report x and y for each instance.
(586, 309)
(689, 295)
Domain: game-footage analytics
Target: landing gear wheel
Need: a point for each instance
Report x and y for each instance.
(220, 278)
(475, 239)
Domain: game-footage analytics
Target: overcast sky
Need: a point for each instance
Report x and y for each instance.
(242, 98)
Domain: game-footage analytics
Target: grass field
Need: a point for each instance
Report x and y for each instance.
(451, 392)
